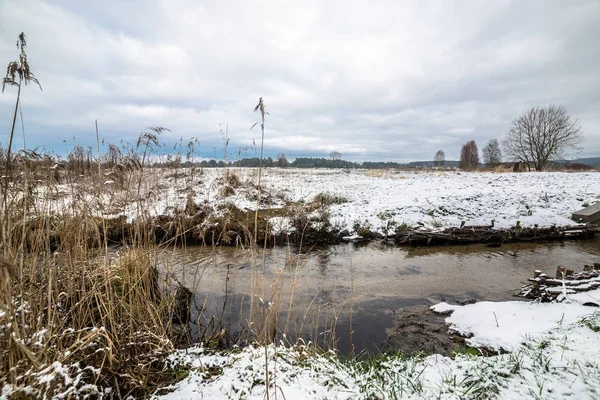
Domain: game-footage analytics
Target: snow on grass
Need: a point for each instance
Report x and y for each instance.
(56, 381)
(554, 356)
(443, 198)
(430, 198)
(434, 199)
(504, 326)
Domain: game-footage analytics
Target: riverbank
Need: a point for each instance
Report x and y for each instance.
(339, 290)
(548, 351)
(217, 206)
(544, 351)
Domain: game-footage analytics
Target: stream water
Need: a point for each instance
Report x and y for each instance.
(354, 290)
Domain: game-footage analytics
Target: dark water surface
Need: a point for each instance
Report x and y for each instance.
(356, 288)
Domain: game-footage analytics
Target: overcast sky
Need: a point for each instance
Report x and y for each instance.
(375, 80)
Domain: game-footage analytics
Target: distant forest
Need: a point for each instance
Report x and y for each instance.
(307, 162)
(304, 162)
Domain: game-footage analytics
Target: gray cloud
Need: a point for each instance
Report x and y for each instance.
(374, 81)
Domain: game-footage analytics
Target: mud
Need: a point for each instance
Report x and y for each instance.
(420, 330)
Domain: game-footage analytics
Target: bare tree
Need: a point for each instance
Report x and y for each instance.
(440, 158)
(492, 155)
(282, 161)
(469, 156)
(541, 135)
(17, 74)
(335, 155)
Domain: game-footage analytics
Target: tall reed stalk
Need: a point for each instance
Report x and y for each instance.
(18, 73)
(259, 107)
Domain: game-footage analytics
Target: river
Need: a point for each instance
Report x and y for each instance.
(353, 290)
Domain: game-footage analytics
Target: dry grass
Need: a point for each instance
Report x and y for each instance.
(79, 317)
(326, 199)
(375, 173)
(76, 317)
(503, 168)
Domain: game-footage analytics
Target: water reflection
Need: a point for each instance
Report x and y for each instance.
(322, 288)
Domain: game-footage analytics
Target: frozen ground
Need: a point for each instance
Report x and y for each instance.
(444, 198)
(428, 198)
(553, 353)
(439, 199)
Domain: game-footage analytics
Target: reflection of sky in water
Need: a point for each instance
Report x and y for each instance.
(369, 279)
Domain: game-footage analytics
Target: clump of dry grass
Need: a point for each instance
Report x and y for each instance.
(503, 168)
(232, 179)
(227, 190)
(104, 324)
(327, 199)
(375, 173)
(75, 318)
(312, 225)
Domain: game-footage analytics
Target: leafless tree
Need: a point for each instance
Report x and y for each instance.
(282, 161)
(541, 135)
(335, 155)
(469, 156)
(492, 155)
(440, 158)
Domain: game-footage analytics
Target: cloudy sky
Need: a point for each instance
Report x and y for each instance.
(375, 80)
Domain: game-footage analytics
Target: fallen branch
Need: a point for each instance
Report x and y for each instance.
(546, 288)
(495, 237)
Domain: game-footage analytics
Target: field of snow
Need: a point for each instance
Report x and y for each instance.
(553, 353)
(430, 198)
(372, 197)
(444, 199)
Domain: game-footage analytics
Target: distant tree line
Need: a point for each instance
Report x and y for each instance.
(306, 162)
(537, 138)
(381, 165)
(300, 162)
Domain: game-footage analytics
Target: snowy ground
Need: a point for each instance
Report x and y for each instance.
(444, 198)
(553, 353)
(439, 199)
(429, 198)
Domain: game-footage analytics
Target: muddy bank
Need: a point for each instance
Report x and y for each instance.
(234, 227)
(419, 330)
(309, 225)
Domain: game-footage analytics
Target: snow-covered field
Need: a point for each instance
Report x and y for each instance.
(443, 198)
(428, 198)
(553, 352)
